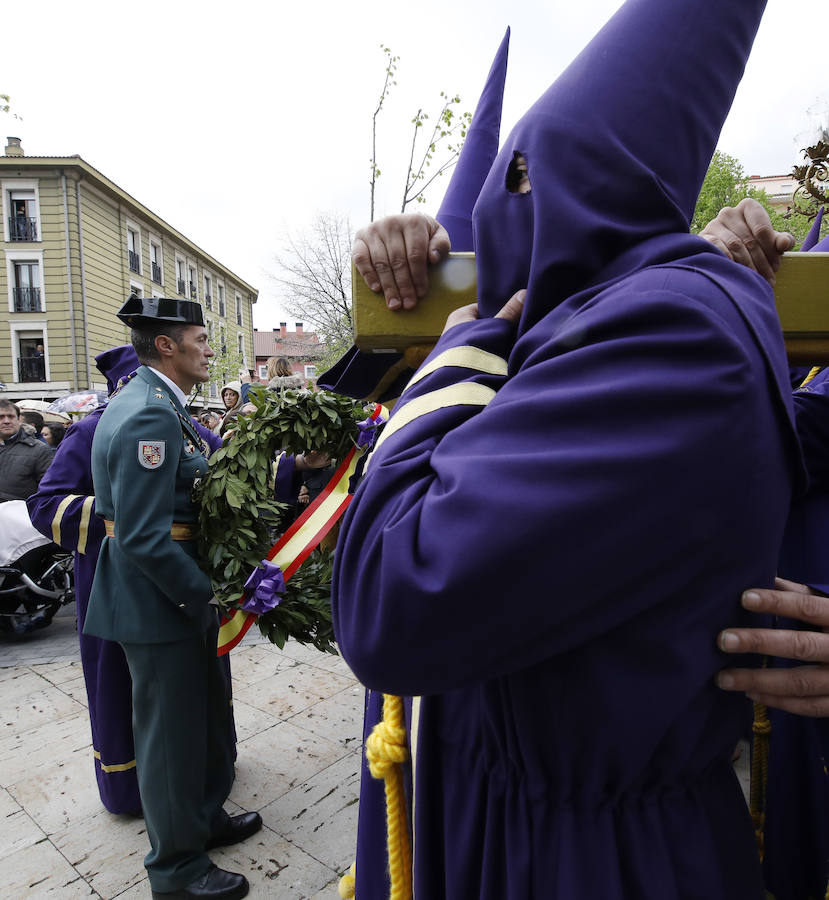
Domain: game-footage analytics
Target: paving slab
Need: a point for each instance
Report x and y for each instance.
(299, 722)
(59, 843)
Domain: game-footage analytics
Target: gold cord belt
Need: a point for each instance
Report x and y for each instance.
(179, 531)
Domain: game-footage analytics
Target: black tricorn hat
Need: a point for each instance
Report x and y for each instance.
(144, 310)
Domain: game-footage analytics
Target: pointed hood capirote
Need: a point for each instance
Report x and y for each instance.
(480, 148)
(117, 363)
(358, 374)
(812, 240)
(616, 149)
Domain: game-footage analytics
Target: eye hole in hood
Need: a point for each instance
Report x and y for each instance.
(518, 175)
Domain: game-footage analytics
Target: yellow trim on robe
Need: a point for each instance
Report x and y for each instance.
(83, 528)
(62, 507)
(465, 357)
(115, 767)
(468, 393)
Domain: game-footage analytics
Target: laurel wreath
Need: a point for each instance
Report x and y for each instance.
(238, 516)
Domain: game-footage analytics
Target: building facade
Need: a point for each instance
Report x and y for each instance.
(74, 246)
(779, 189)
(300, 347)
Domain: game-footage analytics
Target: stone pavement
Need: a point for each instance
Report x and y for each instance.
(298, 720)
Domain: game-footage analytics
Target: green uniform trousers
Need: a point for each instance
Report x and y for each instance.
(181, 722)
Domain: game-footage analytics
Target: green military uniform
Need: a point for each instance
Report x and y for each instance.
(150, 595)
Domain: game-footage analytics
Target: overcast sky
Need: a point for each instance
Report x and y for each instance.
(237, 122)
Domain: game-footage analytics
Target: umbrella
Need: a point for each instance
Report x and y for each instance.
(81, 402)
(49, 415)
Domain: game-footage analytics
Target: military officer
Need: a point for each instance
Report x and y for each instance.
(150, 595)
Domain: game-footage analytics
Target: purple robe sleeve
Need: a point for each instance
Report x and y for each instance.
(63, 508)
(505, 520)
(213, 441)
(811, 406)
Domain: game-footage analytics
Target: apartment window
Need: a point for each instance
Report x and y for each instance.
(134, 249)
(26, 287)
(310, 371)
(30, 353)
(222, 341)
(214, 391)
(24, 278)
(238, 309)
(180, 282)
(208, 293)
(23, 216)
(263, 371)
(155, 262)
(191, 273)
(240, 340)
(210, 331)
(220, 288)
(136, 288)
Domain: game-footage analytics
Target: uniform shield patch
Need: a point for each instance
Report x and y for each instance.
(151, 453)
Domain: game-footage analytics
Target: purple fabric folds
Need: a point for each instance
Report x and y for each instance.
(368, 431)
(264, 588)
(569, 741)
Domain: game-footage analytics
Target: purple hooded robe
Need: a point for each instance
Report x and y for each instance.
(796, 862)
(554, 527)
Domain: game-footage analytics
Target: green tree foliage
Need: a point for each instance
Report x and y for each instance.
(726, 184)
(5, 107)
(432, 151)
(225, 366)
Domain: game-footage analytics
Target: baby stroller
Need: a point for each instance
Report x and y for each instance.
(35, 574)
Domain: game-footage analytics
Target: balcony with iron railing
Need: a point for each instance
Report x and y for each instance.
(194, 294)
(156, 272)
(134, 261)
(31, 368)
(208, 302)
(181, 288)
(27, 299)
(22, 228)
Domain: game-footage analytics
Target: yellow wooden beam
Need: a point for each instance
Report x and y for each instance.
(453, 283)
(802, 295)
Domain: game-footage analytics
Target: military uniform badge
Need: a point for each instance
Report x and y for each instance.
(151, 453)
(190, 447)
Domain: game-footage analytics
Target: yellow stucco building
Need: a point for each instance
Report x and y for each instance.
(74, 246)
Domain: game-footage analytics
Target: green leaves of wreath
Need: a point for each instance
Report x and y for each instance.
(239, 519)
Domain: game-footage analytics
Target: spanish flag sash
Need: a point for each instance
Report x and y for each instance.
(298, 542)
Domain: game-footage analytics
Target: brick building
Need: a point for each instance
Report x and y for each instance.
(301, 348)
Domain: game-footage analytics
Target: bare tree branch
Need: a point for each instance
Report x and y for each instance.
(314, 281)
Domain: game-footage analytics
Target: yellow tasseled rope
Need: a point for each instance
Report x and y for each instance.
(347, 883)
(812, 372)
(386, 750)
(759, 773)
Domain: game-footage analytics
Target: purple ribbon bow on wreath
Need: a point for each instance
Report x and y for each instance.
(263, 588)
(368, 431)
